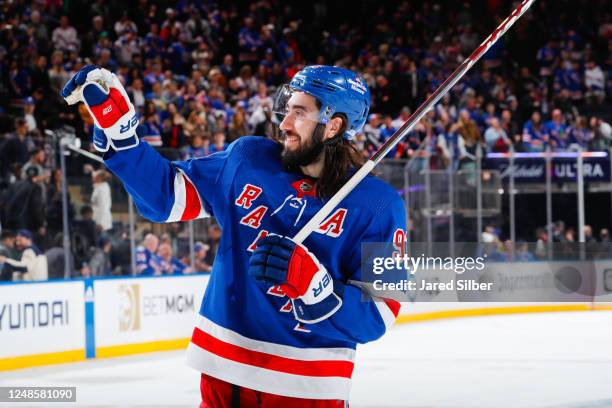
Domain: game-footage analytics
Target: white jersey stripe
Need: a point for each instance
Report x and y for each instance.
(261, 379)
(385, 312)
(180, 198)
(297, 353)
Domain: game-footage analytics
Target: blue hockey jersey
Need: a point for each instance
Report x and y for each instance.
(247, 334)
(172, 266)
(147, 263)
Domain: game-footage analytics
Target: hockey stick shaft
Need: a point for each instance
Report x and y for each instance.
(407, 127)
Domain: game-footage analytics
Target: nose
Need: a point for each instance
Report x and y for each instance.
(287, 123)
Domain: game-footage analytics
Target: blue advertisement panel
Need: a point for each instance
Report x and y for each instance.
(531, 168)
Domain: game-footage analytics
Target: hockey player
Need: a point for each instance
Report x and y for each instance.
(278, 324)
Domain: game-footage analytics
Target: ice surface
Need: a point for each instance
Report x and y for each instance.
(536, 360)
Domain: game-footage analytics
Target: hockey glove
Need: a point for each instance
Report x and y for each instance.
(279, 260)
(104, 96)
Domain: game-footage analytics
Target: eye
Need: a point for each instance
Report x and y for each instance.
(300, 113)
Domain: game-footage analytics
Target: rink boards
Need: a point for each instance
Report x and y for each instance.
(65, 321)
(519, 287)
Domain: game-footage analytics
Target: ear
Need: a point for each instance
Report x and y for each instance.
(333, 127)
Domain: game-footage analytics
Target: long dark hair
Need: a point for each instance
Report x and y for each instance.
(340, 157)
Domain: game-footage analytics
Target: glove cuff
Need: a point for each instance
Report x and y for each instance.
(122, 135)
(316, 312)
(103, 143)
(127, 143)
(100, 141)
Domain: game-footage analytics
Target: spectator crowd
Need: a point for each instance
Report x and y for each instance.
(561, 244)
(202, 74)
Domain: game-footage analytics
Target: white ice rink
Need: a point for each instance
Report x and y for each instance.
(536, 360)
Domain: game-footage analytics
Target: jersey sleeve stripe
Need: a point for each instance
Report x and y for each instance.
(193, 206)
(388, 310)
(179, 198)
(394, 305)
(187, 204)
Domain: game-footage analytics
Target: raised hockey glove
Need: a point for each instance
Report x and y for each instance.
(104, 96)
(72, 91)
(280, 261)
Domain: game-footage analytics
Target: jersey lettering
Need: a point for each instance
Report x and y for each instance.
(253, 246)
(332, 226)
(301, 328)
(253, 219)
(248, 195)
(287, 307)
(276, 291)
(399, 243)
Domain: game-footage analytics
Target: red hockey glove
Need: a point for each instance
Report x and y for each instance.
(279, 260)
(113, 114)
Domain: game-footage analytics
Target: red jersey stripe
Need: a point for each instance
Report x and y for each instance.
(393, 305)
(192, 201)
(321, 368)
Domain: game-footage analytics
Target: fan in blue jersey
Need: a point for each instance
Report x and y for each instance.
(147, 261)
(278, 324)
(170, 264)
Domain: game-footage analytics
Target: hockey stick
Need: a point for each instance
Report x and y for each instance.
(421, 111)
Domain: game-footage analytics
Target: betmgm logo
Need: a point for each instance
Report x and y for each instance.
(129, 307)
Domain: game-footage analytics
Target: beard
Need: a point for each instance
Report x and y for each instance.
(306, 153)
